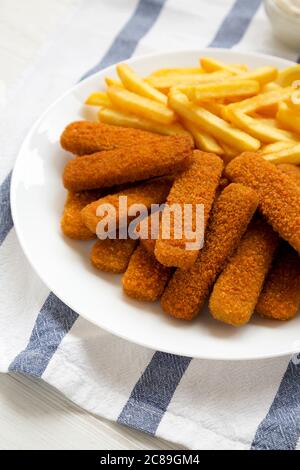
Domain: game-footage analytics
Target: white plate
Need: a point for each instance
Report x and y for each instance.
(37, 199)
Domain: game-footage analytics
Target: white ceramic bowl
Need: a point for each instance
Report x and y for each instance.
(37, 199)
(286, 27)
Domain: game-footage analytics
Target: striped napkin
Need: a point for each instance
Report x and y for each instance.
(198, 403)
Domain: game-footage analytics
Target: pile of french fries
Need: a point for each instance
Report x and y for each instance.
(226, 108)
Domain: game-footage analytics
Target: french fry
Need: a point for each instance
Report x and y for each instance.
(166, 82)
(263, 100)
(98, 98)
(176, 71)
(294, 101)
(141, 106)
(133, 82)
(203, 141)
(263, 75)
(271, 86)
(276, 147)
(229, 153)
(210, 64)
(289, 155)
(216, 108)
(113, 82)
(288, 118)
(257, 129)
(225, 89)
(217, 127)
(119, 118)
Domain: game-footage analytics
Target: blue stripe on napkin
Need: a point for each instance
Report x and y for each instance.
(280, 429)
(236, 23)
(6, 221)
(145, 15)
(153, 392)
(53, 322)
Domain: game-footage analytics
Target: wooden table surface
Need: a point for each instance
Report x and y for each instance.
(32, 414)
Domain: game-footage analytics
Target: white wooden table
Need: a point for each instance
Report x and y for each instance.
(32, 414)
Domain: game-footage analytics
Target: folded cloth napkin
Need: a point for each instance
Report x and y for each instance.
(198, 403)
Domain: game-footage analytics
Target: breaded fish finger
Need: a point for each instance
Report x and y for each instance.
(291, 170)
(188, 289)
(145, 278)
(279, 194)
(112, 255)
(196, 185)
(86, 137)
(71, 222)
(152, 192)
(280, 297)
(237, 289)
(128, 164)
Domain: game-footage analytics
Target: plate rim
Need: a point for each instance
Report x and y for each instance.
(13, 201)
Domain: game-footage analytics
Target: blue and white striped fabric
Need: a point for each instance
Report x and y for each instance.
(200, 404)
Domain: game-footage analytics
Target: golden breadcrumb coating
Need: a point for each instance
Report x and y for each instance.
(145, 278)
(231, 214)
(128, 164)
(291, 170)
(152, 192)
(279, 194)
(196, 185)
(237, 289)
(280, 297)
(112, 255)
(71, 222)
(86, 137)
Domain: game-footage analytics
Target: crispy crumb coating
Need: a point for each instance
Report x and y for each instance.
(196, 185)
(188, 289)
(71, 222)
(145, 278)
(291, 170)
(279, 194)
(86, 137)
(237, 289)
(112, 255)
(152, 192)
(128, 164)
(280, 297)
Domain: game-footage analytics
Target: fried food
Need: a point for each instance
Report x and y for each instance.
(128, 164)
(225, 89)
(112, 255)
(237, 289)
(279, 195)
(86, 137)
(289, 155)
(152, 192)
(71, 223)
(196, 185)
(119, 118)
(280, 297)
(293, 171)
(145, 278)
(188, 289)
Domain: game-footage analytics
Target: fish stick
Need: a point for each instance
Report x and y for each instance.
(196, 185)
(86, 137)
(112, 255)
(291, 170)
(152, 192)
(71, 222)
(278, 193)
(237, 289)
(188, 289)
(280, 297)
(145, 278)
